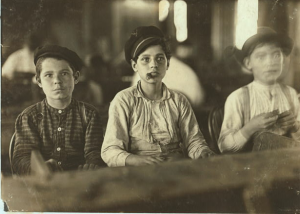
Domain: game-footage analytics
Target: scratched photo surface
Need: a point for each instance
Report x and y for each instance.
(205, 38)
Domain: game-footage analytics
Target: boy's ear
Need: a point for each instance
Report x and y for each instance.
(76, 77)
(133, 65)
(247, 63)
(38, 80)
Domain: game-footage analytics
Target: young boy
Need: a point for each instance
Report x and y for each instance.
(67, 132)
(264, 105)
(149, 123)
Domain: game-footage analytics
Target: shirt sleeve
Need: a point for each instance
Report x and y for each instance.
(93, 140)
(26, 140)
(295, 99)
(116, 139)
(231, 139)
(190, 132)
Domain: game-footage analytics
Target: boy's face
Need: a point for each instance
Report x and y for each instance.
(154, 61)
(266, 63)
(57, 79)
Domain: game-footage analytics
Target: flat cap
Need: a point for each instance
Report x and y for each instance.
(140, 38)
(58, 51)
(265, 34)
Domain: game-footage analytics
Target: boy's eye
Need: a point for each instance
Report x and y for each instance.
(160, 58)
(145, 59)
(276, 55)
(48, 75)
(65, 73)
(260, 57)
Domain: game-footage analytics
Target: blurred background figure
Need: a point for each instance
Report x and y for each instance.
(21, 61)
(89, 89)
(18, 72)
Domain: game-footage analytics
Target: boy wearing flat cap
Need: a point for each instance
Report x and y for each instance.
(263, 111)
(67, 132)
(149, 123)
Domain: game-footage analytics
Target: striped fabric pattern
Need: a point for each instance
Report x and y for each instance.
(58, 134)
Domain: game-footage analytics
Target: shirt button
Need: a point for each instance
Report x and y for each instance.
(58, 149)
(59, 129)
(59, 163)
(60, 111)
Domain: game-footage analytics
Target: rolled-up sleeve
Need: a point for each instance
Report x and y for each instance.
(116, 139)
(231, 139)
(190, 132)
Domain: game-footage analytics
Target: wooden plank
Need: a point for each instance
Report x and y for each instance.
(206, 185)
(38, 165)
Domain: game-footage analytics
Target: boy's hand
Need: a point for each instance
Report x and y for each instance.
(287, 121)
(139, 160)
(53, 165)
(88, 167)
(207, 153)
(175, 156)
(262, 121)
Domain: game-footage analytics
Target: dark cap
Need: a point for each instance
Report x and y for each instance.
(263, 35)
(140, 38)
(58, 51)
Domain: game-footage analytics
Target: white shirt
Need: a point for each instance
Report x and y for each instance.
(19, 61)
(132, 126)
(263, 99)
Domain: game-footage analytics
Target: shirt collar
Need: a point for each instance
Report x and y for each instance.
(60, 111)
(139, 93)
(264, 87)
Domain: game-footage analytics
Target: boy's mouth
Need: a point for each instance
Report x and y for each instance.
(152, 75)
(272, 71)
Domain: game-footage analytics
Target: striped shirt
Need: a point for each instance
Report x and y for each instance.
(58, 134)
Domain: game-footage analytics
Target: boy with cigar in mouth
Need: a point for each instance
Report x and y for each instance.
(149, 123)
(263, 111)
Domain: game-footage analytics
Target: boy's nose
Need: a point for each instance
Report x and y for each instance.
(57, 80)
(271, 60)
(153, 64)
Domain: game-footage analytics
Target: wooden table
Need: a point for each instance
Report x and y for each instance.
(266, 181)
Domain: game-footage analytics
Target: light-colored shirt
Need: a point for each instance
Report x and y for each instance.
(19, 61)
(131, 118)
(263, 99)
(178, 77)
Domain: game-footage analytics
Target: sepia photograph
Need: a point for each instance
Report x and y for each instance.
(150, 106)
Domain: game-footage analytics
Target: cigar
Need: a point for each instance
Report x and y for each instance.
(151, 75)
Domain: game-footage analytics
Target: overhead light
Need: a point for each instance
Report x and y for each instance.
(180, 20)
(163, 8)
(247, 16)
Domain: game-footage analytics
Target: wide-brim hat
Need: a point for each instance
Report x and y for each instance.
(58, 51)
(139, 39)
(264, 35)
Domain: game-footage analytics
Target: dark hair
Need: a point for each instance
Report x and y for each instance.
(163, 42)
(38, 68)
(273, 41)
